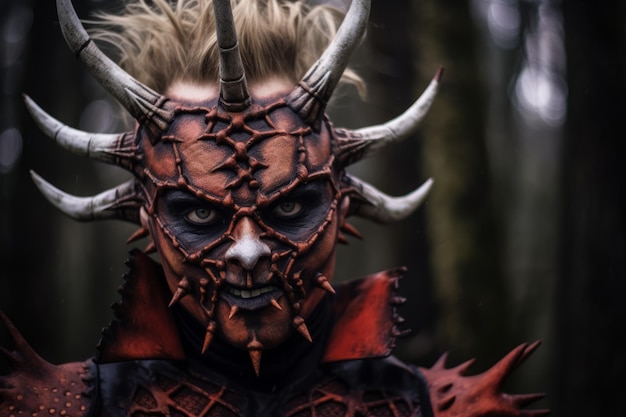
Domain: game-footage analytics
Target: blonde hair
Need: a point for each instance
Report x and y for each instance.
(160, 43)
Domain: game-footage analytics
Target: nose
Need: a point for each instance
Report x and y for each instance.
(247, 249)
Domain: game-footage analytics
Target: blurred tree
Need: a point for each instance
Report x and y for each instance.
(464, 235)
(591, 360)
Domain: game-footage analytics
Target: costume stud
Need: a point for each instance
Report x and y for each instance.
(324, 284)
(150, 248)
(351, 230)
(138, 234)
(208, 336)
(300, 326)
(233, 310)
(275, 304)
(255, 350)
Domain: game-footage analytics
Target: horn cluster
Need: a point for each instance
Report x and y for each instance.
(154, 113)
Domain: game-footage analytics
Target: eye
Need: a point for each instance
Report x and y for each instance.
(202, 215)
(288, 209)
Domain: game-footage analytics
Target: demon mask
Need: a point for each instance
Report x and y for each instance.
(243, 194)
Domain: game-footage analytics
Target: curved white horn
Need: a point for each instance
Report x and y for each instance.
(122, 202)
(383, 208)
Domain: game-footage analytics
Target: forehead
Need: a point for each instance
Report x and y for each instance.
(240, 155)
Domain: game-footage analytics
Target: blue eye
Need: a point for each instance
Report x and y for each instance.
(202, 216)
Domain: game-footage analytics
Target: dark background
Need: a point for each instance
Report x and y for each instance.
(521, 239)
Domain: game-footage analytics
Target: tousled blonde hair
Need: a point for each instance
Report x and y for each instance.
(160, 43)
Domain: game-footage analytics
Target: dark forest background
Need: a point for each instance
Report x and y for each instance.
(522, 238)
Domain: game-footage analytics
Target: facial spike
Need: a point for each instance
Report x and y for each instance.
(382, 208)
(351, 230)
(233, 310)
(324, 284)
(300, 326)
(341, 238)
(126, 89)
(354, 145)
(255, 350)
(183, 289)
(208, 336)
(275, 304)
(150, 247)
(122, 202)
(309, 99)
(138, 234)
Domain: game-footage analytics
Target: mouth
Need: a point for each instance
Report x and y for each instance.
(252, 299)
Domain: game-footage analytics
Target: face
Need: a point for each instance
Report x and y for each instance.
(244, 209)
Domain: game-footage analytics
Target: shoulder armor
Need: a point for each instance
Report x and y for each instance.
(37, 388)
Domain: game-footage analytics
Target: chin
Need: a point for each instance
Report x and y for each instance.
(268, 326)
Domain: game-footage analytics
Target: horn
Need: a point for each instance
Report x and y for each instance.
(145, 105)
(122, 202)
(384, 209)
(355, 145)
(117, 149)
(310, 97)
(233, 87)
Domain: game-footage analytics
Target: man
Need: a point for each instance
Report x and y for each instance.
(240, 183)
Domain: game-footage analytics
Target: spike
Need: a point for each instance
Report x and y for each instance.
(233, 87)
(275, 304)
(323, 283)
(233, 310)
(208, 336)
(150, 248)
(395, 332)
(138, 234)
(255, 350)
(23, 353)
(440, 364)
(122, 202)
(534, 413)
(115, 80)
(382, 208)
(354, 145)
(397, 300)
(117, 149)
(300, 326)
(351, 230)
(341, 238)
(522, 400)
(309, 98)
(464, 367)
(178, 295)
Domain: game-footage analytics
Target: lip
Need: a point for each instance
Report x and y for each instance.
(253, 298)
